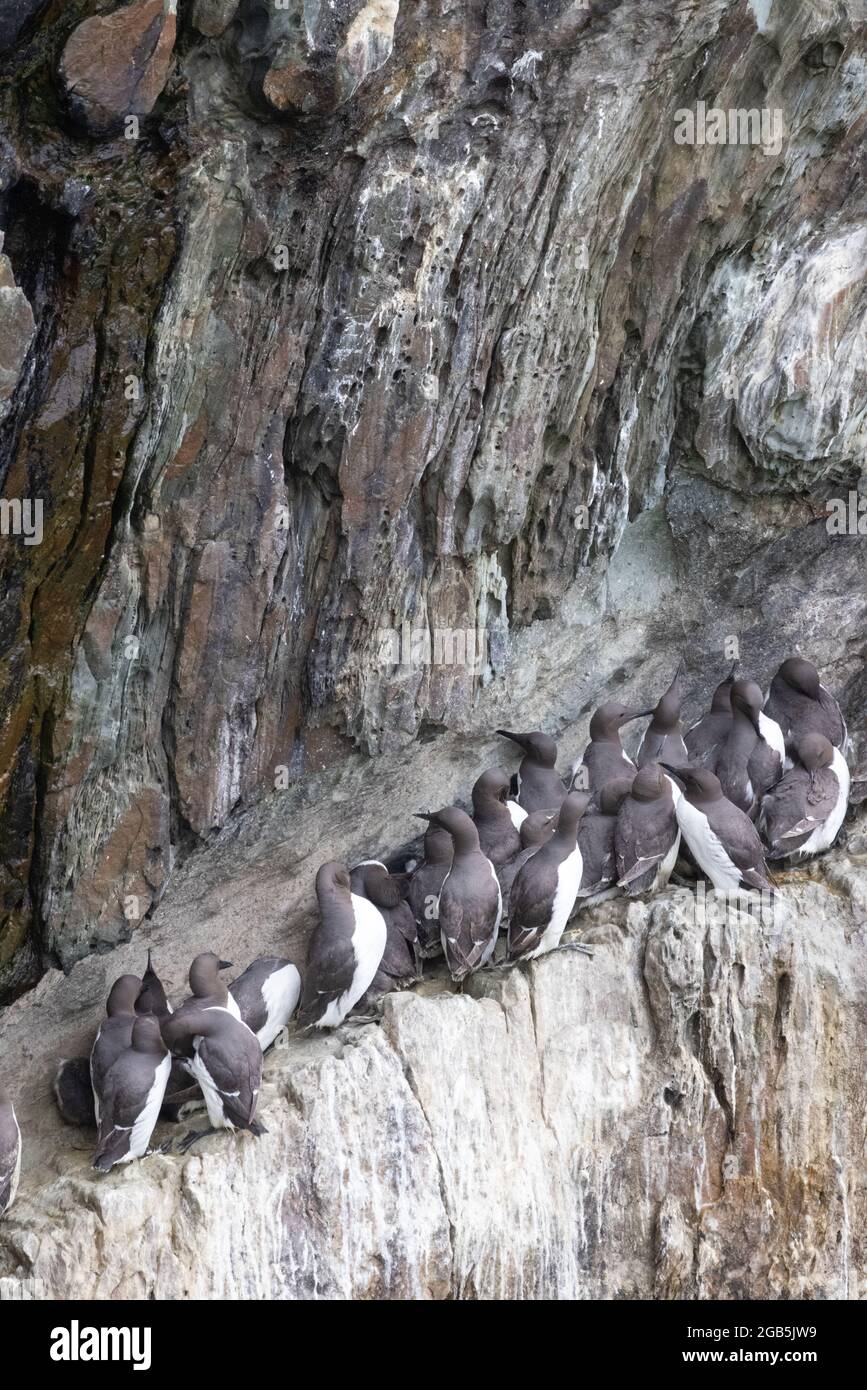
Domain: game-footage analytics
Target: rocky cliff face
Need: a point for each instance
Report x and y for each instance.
(330, 331)
(365, 314)
(679, 1117)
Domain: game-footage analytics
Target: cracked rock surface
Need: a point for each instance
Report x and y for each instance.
(311, 362)
(679, 1117)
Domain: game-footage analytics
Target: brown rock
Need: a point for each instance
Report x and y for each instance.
(116, 65)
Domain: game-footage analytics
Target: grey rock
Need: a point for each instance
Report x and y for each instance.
(687, 1126)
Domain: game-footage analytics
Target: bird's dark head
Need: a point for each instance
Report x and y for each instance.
(493, 785)
(698, 783)
(801, 675)
(205, 974)
(668, 707)
(814, 752)
(122, 995)
(746, 698)
(332, 875)
(539, 747)
(610, 718)
(572, 809)
(649, 783)
(457, 823)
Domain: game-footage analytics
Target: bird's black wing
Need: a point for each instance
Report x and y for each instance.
(330, 968)
(642, 839)
(234, 1064)
(791, 812)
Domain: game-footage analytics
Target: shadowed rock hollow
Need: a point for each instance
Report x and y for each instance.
(415, 313)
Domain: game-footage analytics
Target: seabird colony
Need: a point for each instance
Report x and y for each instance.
(755, 781)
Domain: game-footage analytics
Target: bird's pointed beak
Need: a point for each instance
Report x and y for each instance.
(225, 965)
(638, 714)
(675, 772)
(423, 815)
(520, 739)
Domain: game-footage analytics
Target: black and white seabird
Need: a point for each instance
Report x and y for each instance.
(802, 814)
(545, 888)
(722, 838)
(596, 842)
(267, 996)
(470, 903)
(663, 738)
(752, 758)
(704, 739)
(73, 1092)
(604, 759)
(647, 835)
(10, 1152)
(423, 889)
(226, 1061)
(115, 1032)
(539, 785)
(400, 965)
(801, 705)
(206, 988)
(346, 947)
(535, 831)
(497, 819)
(130, 1096)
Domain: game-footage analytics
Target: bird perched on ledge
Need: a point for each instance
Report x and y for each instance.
(470, 903)
(130, 1096)
(751, 759)
(226, 1061)
(539, 785)
(400, 965)
(344, 953)
(425, 884)
(803, 813)
(801, 705)
(647, 836)
(722, 837)
(545, 888)
(115, 1032)
(663, 738)
(604, 758)
(704, 738)
(497, 819)
(267, 996)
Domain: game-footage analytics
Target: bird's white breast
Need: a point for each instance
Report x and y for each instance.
(707, 846)
(280, 993)
(568, 882)
(144, 1125)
